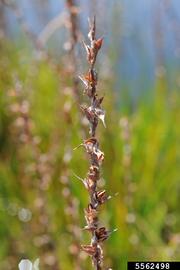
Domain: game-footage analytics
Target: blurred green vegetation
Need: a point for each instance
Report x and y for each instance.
(142, 154)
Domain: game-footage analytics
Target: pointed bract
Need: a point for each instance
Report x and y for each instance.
(90, 250)
(99, 43)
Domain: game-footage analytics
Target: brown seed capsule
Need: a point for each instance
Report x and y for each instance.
(90, 250)
(91, 217)
(91, 77)
(102, 234)
(101, 196)
(89, 113)
(91, 185)
(91, 144)
(99, 155)
(93, 173)
(98, 43)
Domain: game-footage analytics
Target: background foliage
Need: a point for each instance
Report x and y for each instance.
(37, 164)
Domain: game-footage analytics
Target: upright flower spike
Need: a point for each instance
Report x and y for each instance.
(93, 113)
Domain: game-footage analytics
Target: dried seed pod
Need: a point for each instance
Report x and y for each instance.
(101, 115)
(102, 234)
(90, 250)
(93, 173)
(91, 77)
(92, 118)
(98, 43)
(91, 144)
(91, 185)
(99, 155)
(90, 53)
(102, 197)
(91, 216)
(89, 113)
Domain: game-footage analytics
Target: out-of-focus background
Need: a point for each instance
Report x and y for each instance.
(41, 201)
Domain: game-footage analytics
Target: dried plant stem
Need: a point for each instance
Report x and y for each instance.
(74, 38)
(72, 204)
(41, 170)
(73, 11)
(93, 113)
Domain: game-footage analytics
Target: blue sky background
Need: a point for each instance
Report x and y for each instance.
(131, 35)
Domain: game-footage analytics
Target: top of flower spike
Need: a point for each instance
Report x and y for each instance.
(95, 45)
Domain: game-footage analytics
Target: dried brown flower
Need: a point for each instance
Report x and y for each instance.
(90, 250)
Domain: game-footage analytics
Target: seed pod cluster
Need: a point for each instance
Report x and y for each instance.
(93, 112)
